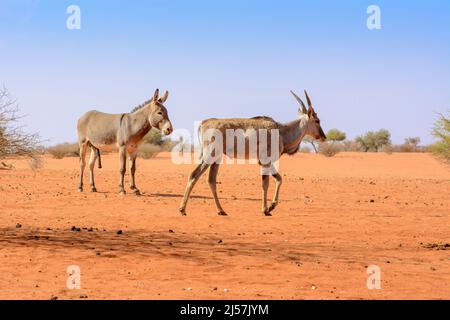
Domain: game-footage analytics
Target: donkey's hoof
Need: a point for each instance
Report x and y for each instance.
(94, 189)
(183, 212)
(122, 192)
(136, 192)
(222, 213)
(80, 189)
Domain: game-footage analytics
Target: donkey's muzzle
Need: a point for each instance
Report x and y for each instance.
(167, 128)
(167, 131)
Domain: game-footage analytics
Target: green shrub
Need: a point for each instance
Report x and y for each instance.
(148, 150)
(441, 131)
(374, 141)
(336, 135)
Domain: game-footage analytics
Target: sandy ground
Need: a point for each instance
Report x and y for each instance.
(336, 217)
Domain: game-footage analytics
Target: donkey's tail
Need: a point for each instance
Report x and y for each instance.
(99, 158)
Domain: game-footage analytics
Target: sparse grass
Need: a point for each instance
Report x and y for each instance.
(148, 150)
(35, 163)
(64, 150)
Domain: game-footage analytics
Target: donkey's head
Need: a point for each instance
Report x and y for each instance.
(312, 121)
(158, 116)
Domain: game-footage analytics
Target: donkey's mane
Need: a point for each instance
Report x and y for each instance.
(141, 105)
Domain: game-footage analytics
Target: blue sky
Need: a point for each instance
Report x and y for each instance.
(229, 59)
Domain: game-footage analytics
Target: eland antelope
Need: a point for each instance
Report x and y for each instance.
(125, 132)
(288, 137)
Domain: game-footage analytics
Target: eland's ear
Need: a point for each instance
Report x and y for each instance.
(311, 112)
(300, 101)
(155, 95)
(164, 97)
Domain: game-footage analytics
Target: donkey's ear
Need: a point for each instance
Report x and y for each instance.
(155, 95)
(164, 97)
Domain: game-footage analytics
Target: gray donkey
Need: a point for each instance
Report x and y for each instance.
(104, 131)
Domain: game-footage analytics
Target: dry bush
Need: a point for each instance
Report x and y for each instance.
(168, 144)
(13, 141)
(304, 150)
(148, 151)
(329, 149)
(350, 145)
(63, 150)
(389, 149)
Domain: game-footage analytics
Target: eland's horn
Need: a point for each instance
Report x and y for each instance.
(307, 99)
(300, 101)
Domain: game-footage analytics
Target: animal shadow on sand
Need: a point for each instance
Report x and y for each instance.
(193, 247)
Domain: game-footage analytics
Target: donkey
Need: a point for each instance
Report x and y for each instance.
(289, 136)
(104, 131)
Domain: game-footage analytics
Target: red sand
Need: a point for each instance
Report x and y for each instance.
(323, 234)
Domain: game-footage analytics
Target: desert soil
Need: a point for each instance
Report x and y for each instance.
(336, 217)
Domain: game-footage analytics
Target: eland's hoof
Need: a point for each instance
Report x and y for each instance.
(183, 212)
(272, 206)
(122, 192)
(80, 189)
(267, 213)
(136, 192)
(222, 213)
(94, 189)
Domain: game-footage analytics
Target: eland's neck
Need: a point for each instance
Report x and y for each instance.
(292, 134)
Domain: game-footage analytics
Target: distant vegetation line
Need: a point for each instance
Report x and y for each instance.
(15, 142)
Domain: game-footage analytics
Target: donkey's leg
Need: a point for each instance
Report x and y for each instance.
(213, 170)
(83, 148)
(278, 181)
(122, 167)
(193, 178)
(92, 159)
(265, 187)
(132, 158)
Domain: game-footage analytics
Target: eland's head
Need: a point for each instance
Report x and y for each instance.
(158, 116)
(311, 121)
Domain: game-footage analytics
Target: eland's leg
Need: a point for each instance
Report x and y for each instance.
(193, 178)
(83, 148)
(214, 169)
(278, 181)
(122, 167)
(133, 187)
(265, 187)
(92, 159)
